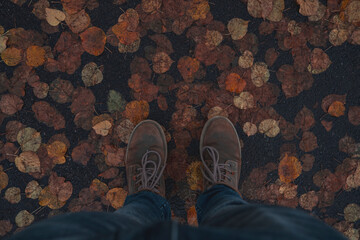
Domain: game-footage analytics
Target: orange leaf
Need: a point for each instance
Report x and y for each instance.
(56, 151)
(11, 56)
(192, 216)
(336, 109)
(125, 37)
(136, 111)
(35, 56)
(234, 83)
(187, 67)
(93, 40)
(289, 169)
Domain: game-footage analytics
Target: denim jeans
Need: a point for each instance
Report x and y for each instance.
(222, 214)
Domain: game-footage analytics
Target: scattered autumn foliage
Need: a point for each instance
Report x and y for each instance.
(71, 93)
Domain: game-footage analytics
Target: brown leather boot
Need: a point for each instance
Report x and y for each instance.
(220, 153)
(145, 158)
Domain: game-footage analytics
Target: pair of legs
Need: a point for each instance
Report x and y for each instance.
(146, 214)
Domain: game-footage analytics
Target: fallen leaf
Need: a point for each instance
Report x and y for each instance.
(78, 22)
(289, 169)
(116, 197)
(41, 89)
(129, 48)
(10, 104)
(244, 101)
(13, 195)
(259, 8)
(354, 115)
(150, 6)
(237, 27)
(276, 14)
(5, 227)
(54, 16)
(198, 9)
(47, 198)
(217, 111)
(33, 190)
(124, 36)
(305, 119)
(91, 74)
(47, 114)
(4, 179)
(124, 130)
(28, 162)
(352, 212)
(161, 62)
(73, 6)
(29, 139)
(110, 173)
(3, 40)
(308, 142)
(308, 7)
(319, 61)
(59, 187)
(11, 56)
(327, 125)
(57, 151)
(61, 90)
(82, 153)
(338, 36)
(246, 60)
(115, 102)
(187, 67)
(213, 38)
(98, 187)
(93, 40)
(192, 216)
(194, 176)
(103, 128)
(136, 111)
(234, 83)
(114, 157)
(269, 127)
(24, 218)
(249, 129)
(307, 162)
(259, 74)
(336, 109)
(352, 11)
(309, 200)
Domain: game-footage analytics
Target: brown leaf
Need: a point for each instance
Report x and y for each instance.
(93, 40)
(309, 200)
(82, 153)
(305, 119)
(354, 115)
(136, 111)
(259, 8)
(33, 190)
(47, 114)
(61, 189)
(5, 227)
(308, 142)
(78, 22)
(327, 125)
(61, 90)
(110, 173)
(161, 62)
(82, 100)
(10, 104)
(192, 216)
(73, 6)
(307, 162)
(319, 61)
(308, 7)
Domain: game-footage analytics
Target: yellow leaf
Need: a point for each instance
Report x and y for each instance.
(116, 197)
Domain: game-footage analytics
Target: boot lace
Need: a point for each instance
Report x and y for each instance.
(150, 172)
(219, 170)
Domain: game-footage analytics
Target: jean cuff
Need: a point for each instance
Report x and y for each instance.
(153, 199)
